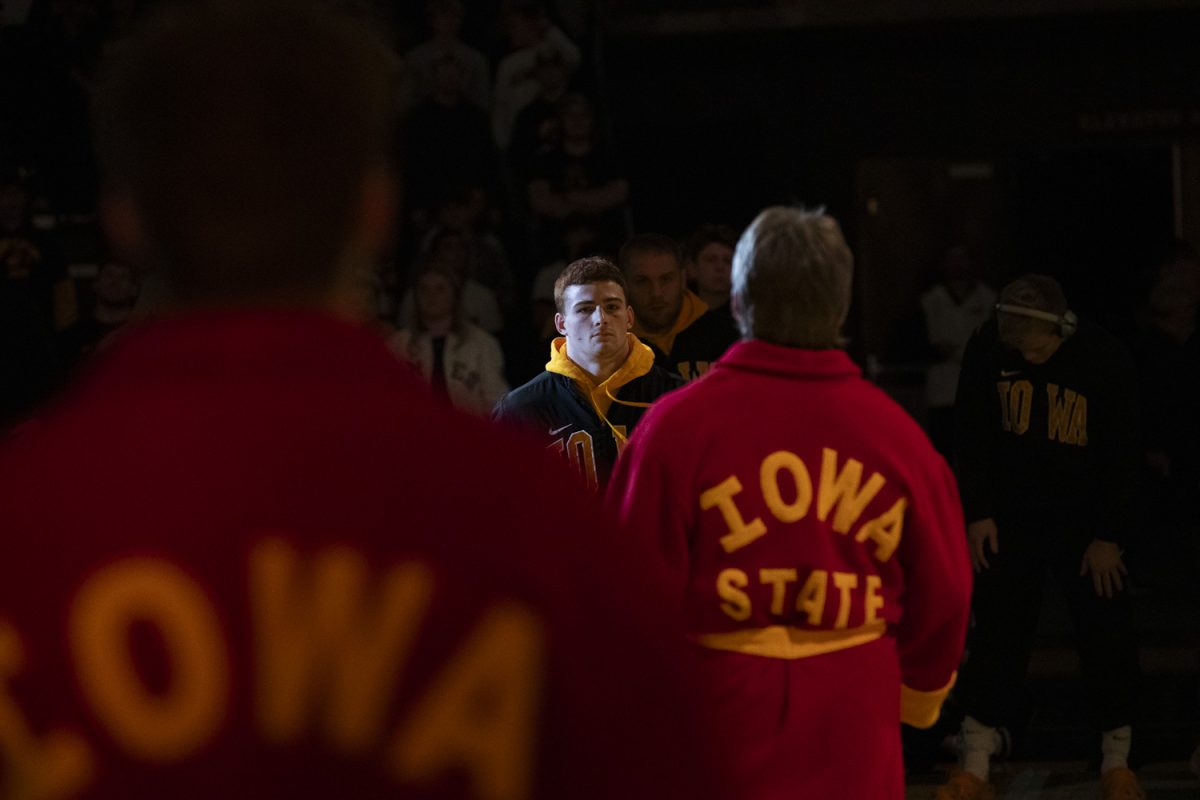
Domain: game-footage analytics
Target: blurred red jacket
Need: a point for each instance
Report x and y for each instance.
(250, 556)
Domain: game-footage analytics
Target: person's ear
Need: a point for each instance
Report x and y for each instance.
(560, 324)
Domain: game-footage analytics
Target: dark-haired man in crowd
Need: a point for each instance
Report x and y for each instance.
(1048, 463)
(600, 378)
(708, 259)
(670, 316)
(250, 556)
(813, 535)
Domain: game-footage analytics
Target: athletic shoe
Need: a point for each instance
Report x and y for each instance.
(965, 786)
(1120, 783)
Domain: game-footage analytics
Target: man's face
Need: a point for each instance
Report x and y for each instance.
(435, 296)
(655, 289)
(712, 267)
(1034, 341)
(595, 319)
(1037, 347)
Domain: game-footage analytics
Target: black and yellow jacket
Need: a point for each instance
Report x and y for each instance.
(583, 421)
(699, 337)
(1056, 441)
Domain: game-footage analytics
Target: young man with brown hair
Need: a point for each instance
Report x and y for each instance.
(600, 378)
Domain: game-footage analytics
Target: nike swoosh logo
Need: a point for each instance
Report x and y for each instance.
(557, 431)
(1005, 373)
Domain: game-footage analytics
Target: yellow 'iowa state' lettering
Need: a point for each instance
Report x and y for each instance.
(481, 711)
(838, 488)
(842, 488)
(779, 580)
(1067, 418)
(735, 603)
(741, 533)
(152, 725)
(55, 766)
(810, 599)
(321, 639)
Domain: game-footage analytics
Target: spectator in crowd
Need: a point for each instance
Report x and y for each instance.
(479, 305)
(461, 361)
(465, 213)
(536, 129)
(446, 141)
(30, 259)
(529, 31)
(576, 183)
(670, 317)
(328, 585)
(445, 23)
(114, 290)
(952, 309)
(812, 535)
(708, 259)
(1048, 463)
(600, 378)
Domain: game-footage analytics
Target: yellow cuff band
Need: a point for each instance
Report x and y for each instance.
(922, 709)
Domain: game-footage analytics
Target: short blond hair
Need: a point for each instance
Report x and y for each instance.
(792, 273)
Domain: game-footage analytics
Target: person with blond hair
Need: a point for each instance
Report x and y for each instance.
(812, 535)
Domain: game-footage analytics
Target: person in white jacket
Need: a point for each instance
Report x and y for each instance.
(461, 361)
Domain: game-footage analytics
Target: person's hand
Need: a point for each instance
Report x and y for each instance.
(1103, 560)
(979, 533)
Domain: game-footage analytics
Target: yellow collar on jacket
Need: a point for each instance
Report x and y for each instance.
(691, 309)
(637, 364)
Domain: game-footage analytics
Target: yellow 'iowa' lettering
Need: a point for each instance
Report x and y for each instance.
(786, 487)
(58, 765)
(481, 712)
(322, 640)
(1067, 416)
(1016, 403)
(329, 639)
(155, 726)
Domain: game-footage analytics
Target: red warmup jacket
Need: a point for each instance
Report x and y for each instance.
(251, 557)
(816, 540)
